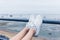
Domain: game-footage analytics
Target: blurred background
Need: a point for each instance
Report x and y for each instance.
(30, 6)
(22, 9)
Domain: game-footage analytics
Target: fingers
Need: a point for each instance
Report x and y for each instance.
(20, 35)
(23, 33)
(29, 35)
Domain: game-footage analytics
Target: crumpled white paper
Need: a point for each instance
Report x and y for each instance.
(35, 22)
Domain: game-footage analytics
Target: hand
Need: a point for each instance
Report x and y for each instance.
(25, 34)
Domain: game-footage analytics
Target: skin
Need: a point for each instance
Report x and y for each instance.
(25, 34)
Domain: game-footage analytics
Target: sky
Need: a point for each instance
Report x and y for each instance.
(29, 6)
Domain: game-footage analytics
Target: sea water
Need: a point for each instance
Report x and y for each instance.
(51, 31)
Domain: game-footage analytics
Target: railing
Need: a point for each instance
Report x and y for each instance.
(26, 20)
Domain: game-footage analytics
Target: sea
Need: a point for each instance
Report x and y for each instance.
(51, 31)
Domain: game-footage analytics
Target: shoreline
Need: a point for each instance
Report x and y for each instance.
(7, 34)
(11, 34)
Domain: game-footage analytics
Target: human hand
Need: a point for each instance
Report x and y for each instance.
(33, 26)
(25, 34)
